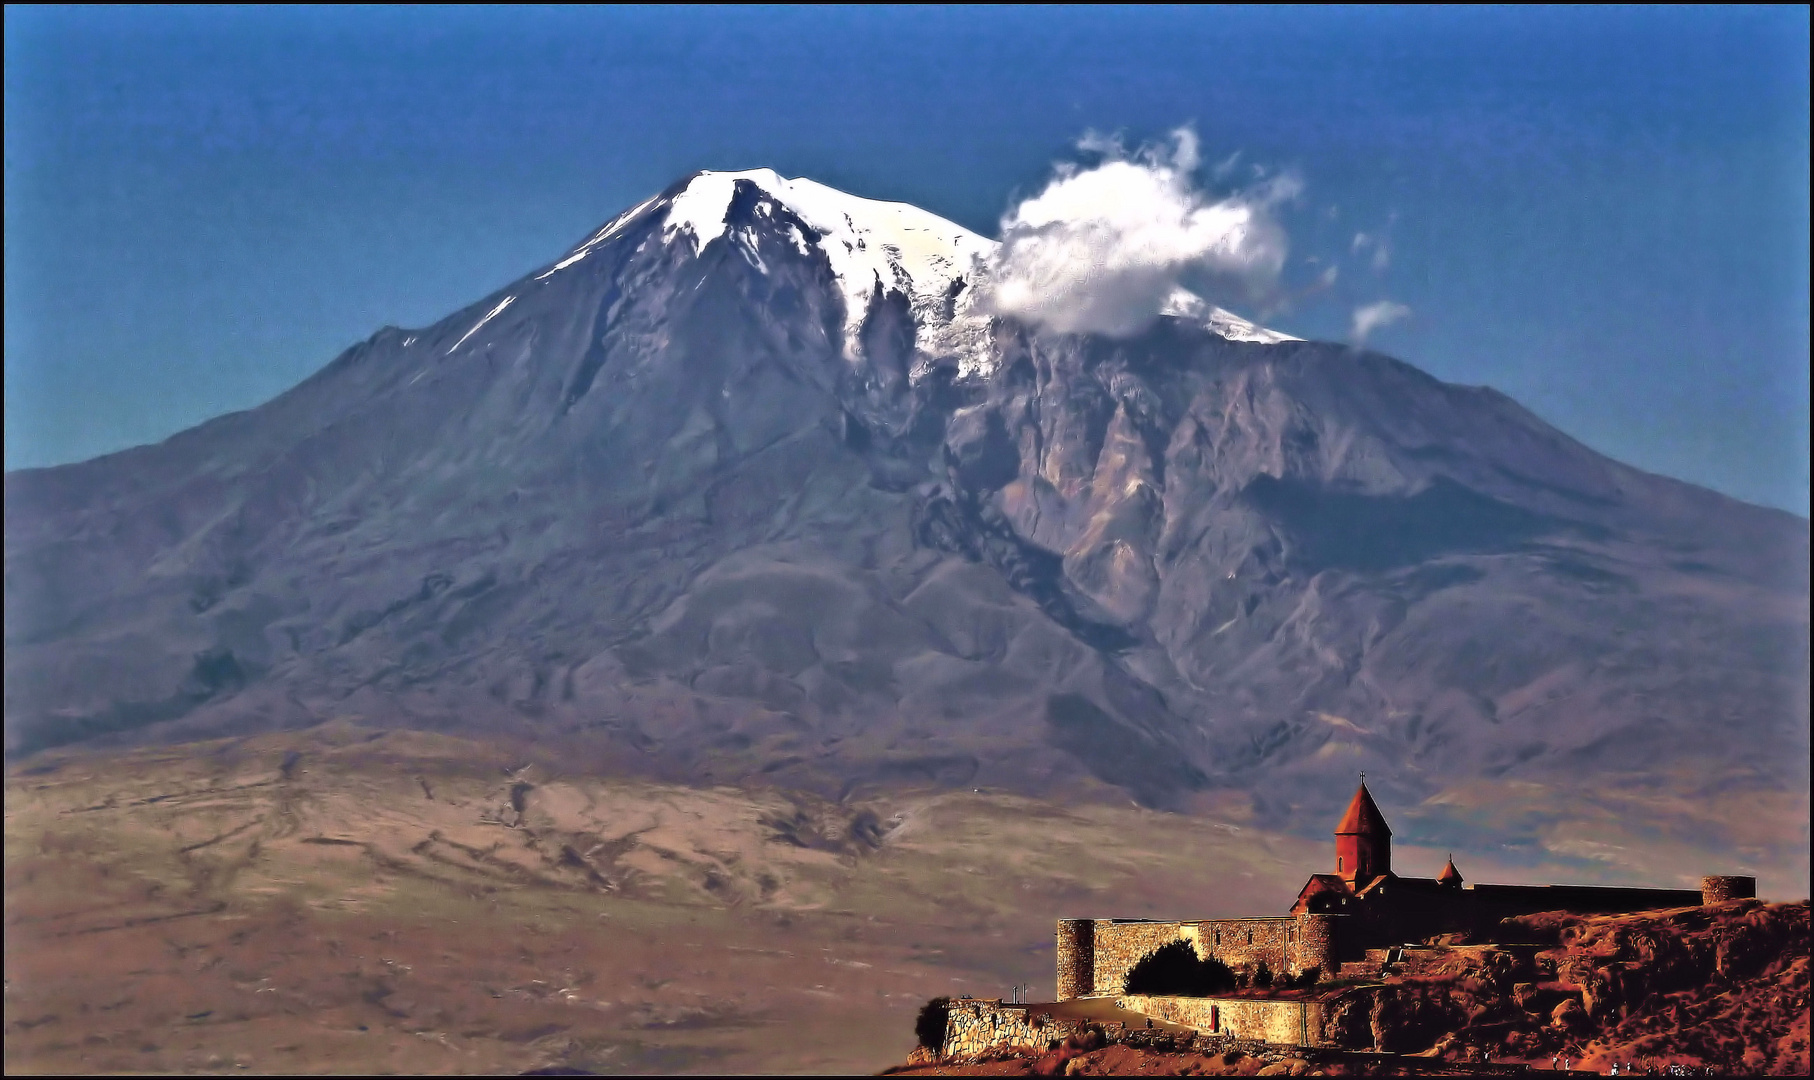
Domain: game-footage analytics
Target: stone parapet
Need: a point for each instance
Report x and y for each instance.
(977, 1026)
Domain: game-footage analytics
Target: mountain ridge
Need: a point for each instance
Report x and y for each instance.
(674, 503)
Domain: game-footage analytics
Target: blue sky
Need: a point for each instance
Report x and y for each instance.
(1602, 212)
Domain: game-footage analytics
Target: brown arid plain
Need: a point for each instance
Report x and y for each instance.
(346, 899)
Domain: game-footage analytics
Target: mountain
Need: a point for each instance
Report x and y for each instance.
(750, 487)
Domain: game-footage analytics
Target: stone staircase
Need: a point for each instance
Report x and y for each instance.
(1377, 964)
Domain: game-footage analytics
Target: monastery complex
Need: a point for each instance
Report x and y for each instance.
(1344, 929)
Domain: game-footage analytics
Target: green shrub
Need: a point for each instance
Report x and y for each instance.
(930, 1026)
(1175, 969)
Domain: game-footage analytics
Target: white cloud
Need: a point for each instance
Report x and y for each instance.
(1382, 248)
(1095, 142)
(1102, 249)
(1371, 317)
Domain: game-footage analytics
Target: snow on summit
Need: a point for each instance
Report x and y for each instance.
(1185, 304)
(937, 264)
(868, 243)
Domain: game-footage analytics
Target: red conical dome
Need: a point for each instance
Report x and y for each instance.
(1363, 842)
(1449, 876)
(1363, 818)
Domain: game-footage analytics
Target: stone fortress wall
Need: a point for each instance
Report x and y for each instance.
(977, 1026)
(1287, 945)
(1076, 958)
(977, 1029)
(1095, 955)
(1122, 943)
(1266, 1020)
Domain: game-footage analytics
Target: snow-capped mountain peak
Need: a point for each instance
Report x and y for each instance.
(1184, 304)
(940, 267)
(936, 263)
(869, 244)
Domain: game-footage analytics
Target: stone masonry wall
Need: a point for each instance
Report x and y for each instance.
(1287, 945)
(1246, 942)
(1317, 935)
(1282, 1023)
(1121, 945)
(979, 1026)
(1076, 958)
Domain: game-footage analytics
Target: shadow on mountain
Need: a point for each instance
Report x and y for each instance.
(1341, 531)
(976, 532)
(1117, 754)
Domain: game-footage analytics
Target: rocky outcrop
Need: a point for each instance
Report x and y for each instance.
(1725, 985)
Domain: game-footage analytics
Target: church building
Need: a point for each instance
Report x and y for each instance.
(1337, 917)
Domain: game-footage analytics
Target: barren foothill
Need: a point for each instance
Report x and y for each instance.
(346, 899)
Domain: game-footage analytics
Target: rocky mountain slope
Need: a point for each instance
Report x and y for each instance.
(750, 486)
